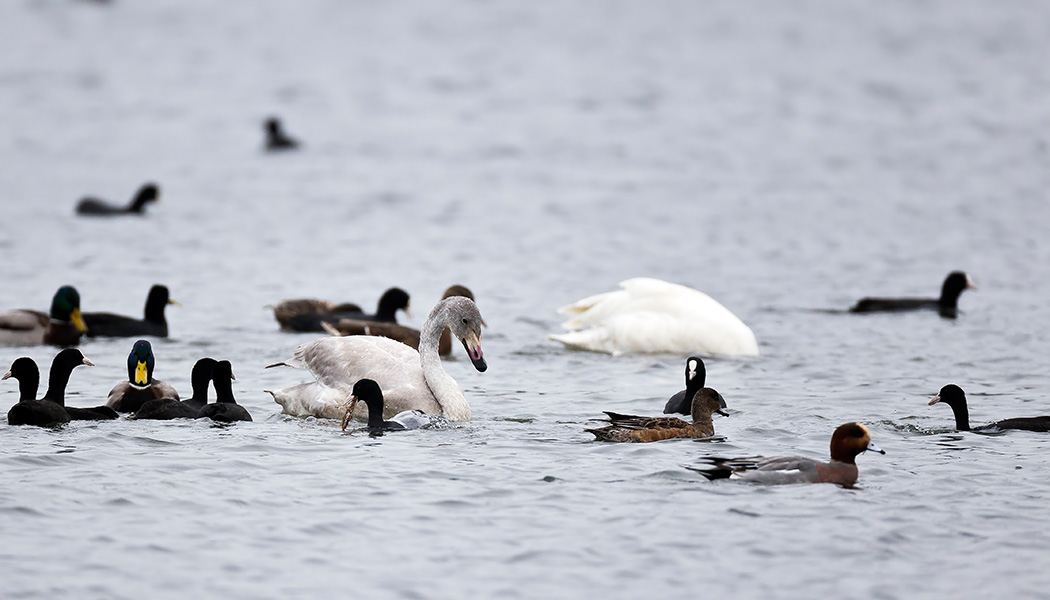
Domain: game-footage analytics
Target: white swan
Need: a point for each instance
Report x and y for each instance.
(650, 315)
(410, 380)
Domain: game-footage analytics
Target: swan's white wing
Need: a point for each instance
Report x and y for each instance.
(638, 294)
(339, 362)
(311, 400)
(585, 304)
(650, 315)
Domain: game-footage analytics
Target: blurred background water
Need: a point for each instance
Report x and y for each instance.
(779, 156)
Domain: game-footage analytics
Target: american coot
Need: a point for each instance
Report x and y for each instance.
(51, 408)
(650, 315)
(163, 409)
(410, 380)
(225, 408)
(61, 368)
(695, 377)
(154, 323)
(953, 396)
(629, 428)
(849, 440)
(947, 305)
(368, 391)
(100, 208)
(28, 410)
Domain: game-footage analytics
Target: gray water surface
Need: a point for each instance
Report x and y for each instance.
(781, 157)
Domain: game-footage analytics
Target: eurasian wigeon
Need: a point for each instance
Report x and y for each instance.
(629, 428)
(847, 442)
(946, 305)
(953, 396)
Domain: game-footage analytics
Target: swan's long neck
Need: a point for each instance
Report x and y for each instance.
(454, 406)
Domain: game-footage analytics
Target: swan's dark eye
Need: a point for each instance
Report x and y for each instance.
(464, 320)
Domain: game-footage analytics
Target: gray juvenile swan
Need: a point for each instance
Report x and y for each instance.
(410, 380)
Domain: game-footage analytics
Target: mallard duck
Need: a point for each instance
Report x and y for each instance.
(153, 323)
(163, 409)
(947, 305)
(100, 208)
(849, 440)
(630, 428)
(62, 326)
(225, 408)
(129, 396)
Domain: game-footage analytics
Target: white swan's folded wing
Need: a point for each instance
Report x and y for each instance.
(341, 361)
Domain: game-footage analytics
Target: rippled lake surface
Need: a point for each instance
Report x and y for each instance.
(781, 157)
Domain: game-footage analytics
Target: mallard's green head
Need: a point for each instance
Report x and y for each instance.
(141, 363)
(65, 307)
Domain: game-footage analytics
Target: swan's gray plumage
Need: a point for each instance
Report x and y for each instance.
(410, 380)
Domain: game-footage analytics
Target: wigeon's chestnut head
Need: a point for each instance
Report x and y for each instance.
(849, 440)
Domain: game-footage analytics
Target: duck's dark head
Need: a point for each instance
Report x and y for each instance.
(457, 290)
(849, 440)
(953, 286)
(390, 302)
(141, 363)
(369, 392)
(146, 194)
(951, 394)
(65, 307)
(158, 298)
(955, 397)
(273, 127)
(706, 402)
(24, 369)
(72, 357)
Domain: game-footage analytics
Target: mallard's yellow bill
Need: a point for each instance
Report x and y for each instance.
(78, 320)
(141, 374)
